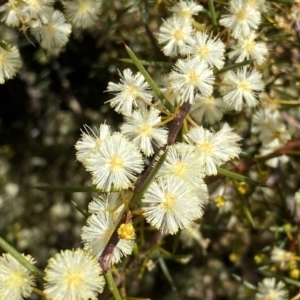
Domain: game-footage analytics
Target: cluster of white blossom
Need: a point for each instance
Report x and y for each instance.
(69, 275)
(173, 137)
(269, 289)
(50, 27)
(272, 133)
(116, 160)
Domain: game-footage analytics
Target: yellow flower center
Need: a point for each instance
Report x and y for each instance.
(186, 13)
(131, 91)
(206, 147)
(249, 47)
(145, 130)
(126, 231)
(16, 279)
(203, 52)
(193, 77)
(73, 278)
(178, 34)
(170, 199)
(209, 102)
(272, 295)
(179, 169)
(35, 5)
(244, 86)
(241, 15)
(83, 8)
(116, 163)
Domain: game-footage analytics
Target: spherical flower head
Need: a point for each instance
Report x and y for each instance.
(189, 77)
(98, 231)
(214, 149)
(109, 202)
(182, 163)
(247, 48)
(115, 164)
(10, 63)
(282, 257)
(174, 34)
(242, 18)
(186, 9)
(10, 13)
(259, 5)
(207, 109)
(271, 147)
(171, 204)
(83, 13)
(90, 141)
(16, 282)
(243, 84)
(270, 127)
(142, 129)
(55, 33)
(205, 48)
(36, 12)
(132, 91)
(73, 275)
(268, 289)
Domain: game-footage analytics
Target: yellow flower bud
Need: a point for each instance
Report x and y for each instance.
(220, 201)
(126, 231)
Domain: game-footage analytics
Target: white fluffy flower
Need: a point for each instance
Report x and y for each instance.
(110, 202)
(182, 163)
(171, 204)
(247, 48)
(36, 12)
(214, 149)
(132, 91)
(205, 48)
(142, 129)
(55, 33)
(10, 63)
(270, 127)
(73, 275)
(90, 141)
(115, 164)
(16, 282)
(191, 76)
(83, 13)
(186, 9)
(174, 34)
(207, 109)
(270, 148)
(10, 13)
(268, 289)
(243, 84)
(242, 18)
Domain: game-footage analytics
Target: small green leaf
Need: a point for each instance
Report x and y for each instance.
(68, 189)
(234, 66)
(167, 274)
(212, 12)
(81, 210)
(244, 282)
(239, 177)
(138, 197)
(159, 64)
